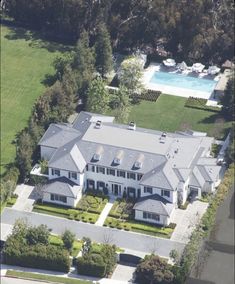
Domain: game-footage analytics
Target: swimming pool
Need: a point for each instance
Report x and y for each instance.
(183, 81)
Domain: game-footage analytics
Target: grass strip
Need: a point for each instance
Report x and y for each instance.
(53, 279)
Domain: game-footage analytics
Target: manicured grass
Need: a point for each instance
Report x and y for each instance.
(53, 279)
(139, 227)
(25, 60)
(57, 241)
(170, 114)
(65, 212)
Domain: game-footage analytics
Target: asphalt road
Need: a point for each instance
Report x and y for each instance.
(219, 265)
(123, 239)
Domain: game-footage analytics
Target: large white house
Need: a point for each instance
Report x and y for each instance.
(158, 169)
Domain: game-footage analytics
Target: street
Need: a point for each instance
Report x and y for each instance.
(124, 239)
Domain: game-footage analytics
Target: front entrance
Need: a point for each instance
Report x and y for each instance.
(194, 192)
(131, 192)
(116, 189)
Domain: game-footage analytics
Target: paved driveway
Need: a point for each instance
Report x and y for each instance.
(123, 273)
(26, 197)
(186, 220)
(123, 239)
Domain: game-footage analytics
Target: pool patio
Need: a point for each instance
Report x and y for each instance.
(172, 90)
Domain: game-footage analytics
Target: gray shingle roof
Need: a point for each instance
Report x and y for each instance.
(164, 175)
(68, 158)
(154, 204)
(62, 186)
(58, 135)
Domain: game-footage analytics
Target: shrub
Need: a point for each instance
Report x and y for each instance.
(92, 265)
(200, 104)
(68, 239)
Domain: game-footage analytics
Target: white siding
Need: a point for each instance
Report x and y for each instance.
(164, 220)
(47, 152)
(63, 173)
(70, 201)
(110, 179)
(172, 198)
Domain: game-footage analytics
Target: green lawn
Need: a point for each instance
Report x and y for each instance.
(41, 277)
(25, 60)
(168, 113)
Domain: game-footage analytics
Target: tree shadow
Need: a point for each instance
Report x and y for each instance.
(49, 80)
(36, 39)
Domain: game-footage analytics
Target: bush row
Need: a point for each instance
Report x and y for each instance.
(198, 103)
(148, 95)
(39, 256)
(94, 267)
(8, 184)
(139, 226)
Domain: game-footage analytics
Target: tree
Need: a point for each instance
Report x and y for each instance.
(24, 153)
(153, 270)
(174, 255)
(38, 235)
(121, 104)
(228, 100)
(68, 239)
(108, 253)
(84, 62)
(97, 97)
(86, 246)
(104, 61)
(130, 74)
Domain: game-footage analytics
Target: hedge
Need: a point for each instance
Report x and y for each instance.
(148, 95)
(91, 266)
(38, 256)
(198, 103)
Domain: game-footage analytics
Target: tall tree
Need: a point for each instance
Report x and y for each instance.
(24, 154)
(130, 74)
(104, 61)
(84, 61)
(97, 97)
(121, 104)
(228, 100)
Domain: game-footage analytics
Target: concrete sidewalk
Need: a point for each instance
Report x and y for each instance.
(71, 275)
(105, 213)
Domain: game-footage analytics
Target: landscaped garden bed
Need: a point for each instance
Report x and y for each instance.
(12, 200)
(93, 202)
(121, 217)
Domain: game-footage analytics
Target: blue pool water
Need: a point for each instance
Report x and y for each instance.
(183, 81)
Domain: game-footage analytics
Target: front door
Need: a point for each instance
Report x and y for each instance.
(116, 189)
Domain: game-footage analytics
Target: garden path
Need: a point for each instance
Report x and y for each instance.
(105, 212)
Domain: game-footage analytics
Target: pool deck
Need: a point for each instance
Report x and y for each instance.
(175, 91)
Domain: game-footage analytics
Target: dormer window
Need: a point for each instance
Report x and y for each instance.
(117, 161)
(96, 157)
(137, 165)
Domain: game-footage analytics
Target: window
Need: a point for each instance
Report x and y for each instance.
(57, 172)
(93, 168)
(111, 172)
(87, 169)
(100, 185)
(148, 189)
(90, 184)
(73, 175)
(152, 216)
(165, 193)
(139, 176)
(59, 198)
(121, 173)
(100, 170)
(52, 171)
(131, 176)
